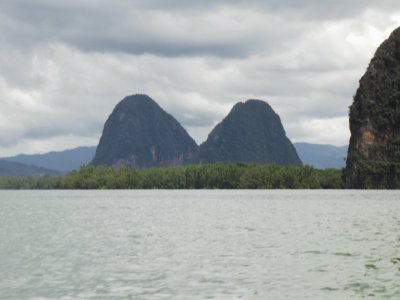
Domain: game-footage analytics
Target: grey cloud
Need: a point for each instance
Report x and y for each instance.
(168, 28)
(49, 128)
(194, 118)
(314, 9)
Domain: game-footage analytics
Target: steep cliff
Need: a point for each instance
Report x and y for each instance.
(252, 132)
(140, 134)
(373, 159)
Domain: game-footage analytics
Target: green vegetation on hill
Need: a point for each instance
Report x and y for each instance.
(203, 176)
(373, 159)
(252, 132)
(140, 134)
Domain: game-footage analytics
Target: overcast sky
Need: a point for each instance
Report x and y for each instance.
(65, 64)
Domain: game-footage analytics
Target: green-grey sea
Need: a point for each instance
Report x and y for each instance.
(200, 244)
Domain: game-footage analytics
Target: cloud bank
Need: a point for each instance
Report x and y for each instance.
(64, 65)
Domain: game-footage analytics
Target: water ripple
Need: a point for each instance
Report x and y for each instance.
(199, 245)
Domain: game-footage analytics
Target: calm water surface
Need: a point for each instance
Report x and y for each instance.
(199, 245)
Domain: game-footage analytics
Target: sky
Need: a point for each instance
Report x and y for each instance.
(65, 64)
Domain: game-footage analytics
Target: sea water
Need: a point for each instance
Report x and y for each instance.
(199, 244)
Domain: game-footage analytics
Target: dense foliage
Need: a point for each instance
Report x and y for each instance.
(376, 175)
(373, 159)
(203, 176)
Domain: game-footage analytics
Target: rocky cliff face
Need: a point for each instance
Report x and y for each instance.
(140, 134)
(373, 159)
(252, 132)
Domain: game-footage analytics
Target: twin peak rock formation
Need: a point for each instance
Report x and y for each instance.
(140, 134)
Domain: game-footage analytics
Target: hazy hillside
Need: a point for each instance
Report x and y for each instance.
(64, 161)
(8, 168)
(322, 156)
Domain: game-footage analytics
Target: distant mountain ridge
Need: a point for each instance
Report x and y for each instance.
(316, 155)
(64, 161)
(322, 156)
(8, 168)
(251, 132)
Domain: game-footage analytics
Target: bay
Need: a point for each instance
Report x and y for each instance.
(199, 244)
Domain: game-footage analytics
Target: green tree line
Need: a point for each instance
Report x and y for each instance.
(203, 176)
